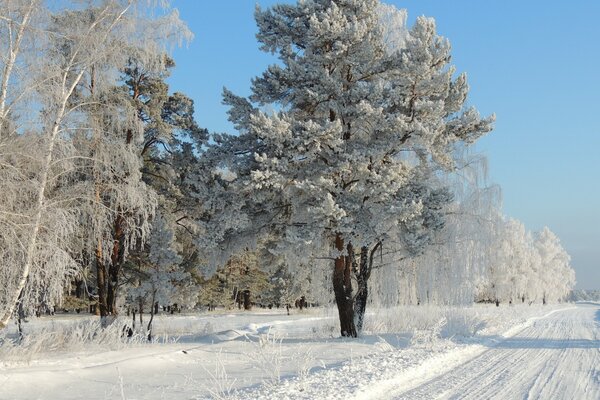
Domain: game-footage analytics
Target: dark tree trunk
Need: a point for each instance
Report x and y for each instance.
(302, 302)
(141, 310)
(101, 283)
(20, 317)
(342, 288)
(114, 269)
(79, 289)
(152, 309)
(362, 290)
(79, 292)
(246, 296)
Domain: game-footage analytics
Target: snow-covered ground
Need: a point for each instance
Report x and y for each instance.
(409, 352)
(556, 357)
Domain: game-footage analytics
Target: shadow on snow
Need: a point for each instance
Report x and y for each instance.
(543, 343)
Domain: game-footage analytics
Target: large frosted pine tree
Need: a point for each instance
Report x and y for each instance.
(345, 160)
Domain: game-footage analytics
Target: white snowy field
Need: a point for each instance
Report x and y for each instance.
(549, 352)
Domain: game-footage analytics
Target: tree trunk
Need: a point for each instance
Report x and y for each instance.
(141, 304)
(247, 303)
(102, 307)
(362, 278)
(362, 292)
(151, 316)
(78, 292)
(36, 221)
(114, 269)
(13, 51)
(101, 283)
(21, 318)
(342, 288)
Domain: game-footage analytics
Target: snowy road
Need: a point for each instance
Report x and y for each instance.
(557, 357)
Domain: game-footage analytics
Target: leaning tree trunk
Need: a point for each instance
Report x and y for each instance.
(36, 221)
(342, 288)
(20, 318)
(13, 51)
(151, 316)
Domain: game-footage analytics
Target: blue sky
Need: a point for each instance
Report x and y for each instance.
(535, 63)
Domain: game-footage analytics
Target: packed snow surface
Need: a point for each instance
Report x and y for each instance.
(483, 352)
(555, 357)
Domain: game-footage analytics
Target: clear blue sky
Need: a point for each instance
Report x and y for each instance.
(535, 63)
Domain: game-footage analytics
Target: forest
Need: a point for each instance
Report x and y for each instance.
(350, 181)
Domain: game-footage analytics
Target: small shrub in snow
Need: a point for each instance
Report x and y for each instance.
(303, 358)
(267, 357)
(219, 386)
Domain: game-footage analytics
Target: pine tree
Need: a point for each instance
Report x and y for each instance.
(168, 131)
(342, 165)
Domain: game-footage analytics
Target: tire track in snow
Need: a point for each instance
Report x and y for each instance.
(554, 358)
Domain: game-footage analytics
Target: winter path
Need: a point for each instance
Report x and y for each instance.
(556, 357)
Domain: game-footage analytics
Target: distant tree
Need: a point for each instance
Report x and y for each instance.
(555, 276)
(514, 262)
(522, 266)
(285, 289)
(241, 281)
(584, 295)
(458, 253)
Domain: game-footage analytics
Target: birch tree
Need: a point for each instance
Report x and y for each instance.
(555, 276)
(80, 47)
(17, 19)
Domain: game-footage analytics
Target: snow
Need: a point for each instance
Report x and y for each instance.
(543, 352)
(552, 358)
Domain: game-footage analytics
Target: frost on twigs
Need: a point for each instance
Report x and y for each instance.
(267, 356)
(79, 170)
